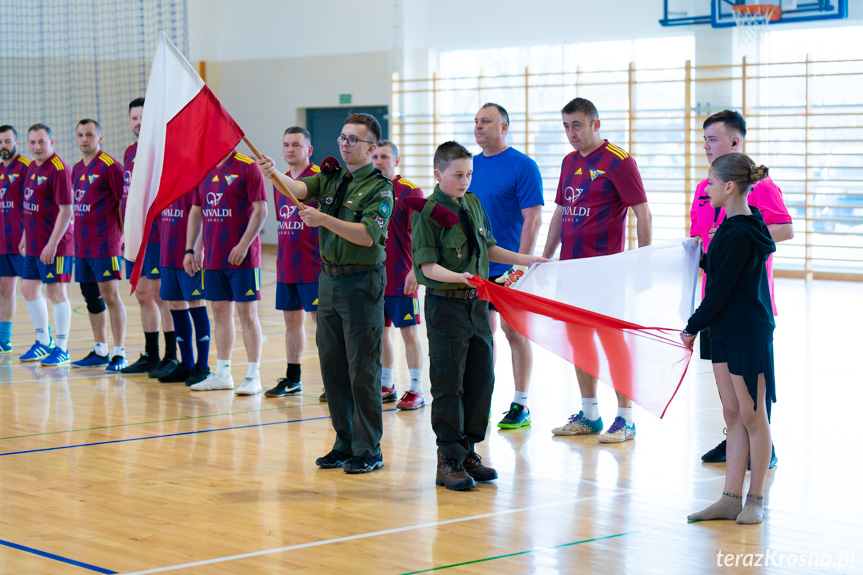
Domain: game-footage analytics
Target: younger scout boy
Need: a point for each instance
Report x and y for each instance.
(452, 242)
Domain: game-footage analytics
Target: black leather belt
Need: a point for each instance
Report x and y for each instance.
(453, 293)
(344, 270)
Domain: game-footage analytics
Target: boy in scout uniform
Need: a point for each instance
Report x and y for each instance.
(452, 242)
(355, 205)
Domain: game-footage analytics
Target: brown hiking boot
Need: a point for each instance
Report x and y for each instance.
(474, 467)
(451, 474)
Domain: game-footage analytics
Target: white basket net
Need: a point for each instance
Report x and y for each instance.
(752, 22)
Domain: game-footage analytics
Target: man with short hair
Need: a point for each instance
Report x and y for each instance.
(724, 133)
(299, 262)
(13, 169)
(48, 246)
(153, 310)
(401, 299)
(356, 202)
(598, 184)
(97, 179)
(509, 185)
(230, 204)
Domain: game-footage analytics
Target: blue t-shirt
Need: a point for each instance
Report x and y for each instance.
(506, 184)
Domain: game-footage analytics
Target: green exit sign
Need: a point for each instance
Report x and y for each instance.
(345, 98)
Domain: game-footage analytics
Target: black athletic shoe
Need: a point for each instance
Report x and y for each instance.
(323, 397)
(165, 366)
(364, 464)
(284, 387)
(333, 459)
(144, 364)
(715, 455)
(179, 374)
(198, 374)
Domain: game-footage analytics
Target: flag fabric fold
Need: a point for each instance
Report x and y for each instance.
(643, 362)
(185, 132)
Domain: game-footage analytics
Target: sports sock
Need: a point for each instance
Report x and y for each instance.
(520, 397)
(590, 407)
(183, 329)
(38, 309)
(625, 413)
(5, 331)
(151, 344)
(728, 507)
(202, 333)
(62, 322)
(170, 345)
(100, 348)
(294, 373)
(223, 367)
(386, 377)
(119, 350)
(254, 370)
(753, 510)
(416, 380)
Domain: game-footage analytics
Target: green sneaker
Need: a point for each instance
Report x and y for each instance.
(517, 416)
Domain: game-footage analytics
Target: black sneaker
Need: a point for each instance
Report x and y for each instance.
(198, 374)
(284, 387)
(165, 366)
(144, 364)
(715, 455)
(179, 374)
(364, 464)
(333, 459)
(323, 397)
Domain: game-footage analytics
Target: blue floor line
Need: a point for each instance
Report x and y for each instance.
(56, 557)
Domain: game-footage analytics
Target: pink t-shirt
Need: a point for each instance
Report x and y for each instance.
(765, 195)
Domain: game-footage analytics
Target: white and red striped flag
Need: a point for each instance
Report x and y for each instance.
(185, 132)
(616, 317)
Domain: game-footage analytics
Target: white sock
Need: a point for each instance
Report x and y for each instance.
(100, 348)
(625, 413)
(119, 350)
(38, 309)
(386, 377)
(223, 368)
(520, 397)
(62, 322)
(416, 380)
(590, 407)
(254, 370)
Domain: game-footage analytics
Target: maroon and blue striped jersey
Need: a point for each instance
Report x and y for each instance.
(46, 188)
(299, 260)
(98, 191)
(595, 192)
(400, 258)
(11, 196)
(128, 166)
(226, 195)
(174, 222)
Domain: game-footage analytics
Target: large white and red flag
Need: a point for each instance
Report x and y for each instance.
(185, 132)
(616, 317)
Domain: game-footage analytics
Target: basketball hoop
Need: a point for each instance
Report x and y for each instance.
(752, 19)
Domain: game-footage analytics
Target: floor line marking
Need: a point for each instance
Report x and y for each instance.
(55, 557)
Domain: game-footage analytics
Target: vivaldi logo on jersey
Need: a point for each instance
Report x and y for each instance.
(79, 207)
(28, 205)
(285, 223)
(571, 196)
(213, 200)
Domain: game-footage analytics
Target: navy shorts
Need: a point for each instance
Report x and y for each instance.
(59, 271)
(401, 311)
(294, 297)
(150, 269)
(241, 285)
(177, 285)
(11, 265)
(747, 361)
(90, 270)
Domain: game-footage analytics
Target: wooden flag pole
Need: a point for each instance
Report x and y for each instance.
(278, 183)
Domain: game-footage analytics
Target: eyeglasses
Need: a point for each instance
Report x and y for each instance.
(351, 141)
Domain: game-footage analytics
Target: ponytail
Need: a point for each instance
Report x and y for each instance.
(740, 169)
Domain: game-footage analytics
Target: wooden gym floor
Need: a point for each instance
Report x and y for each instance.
(121, 474)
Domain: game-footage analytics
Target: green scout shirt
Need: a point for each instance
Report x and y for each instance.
(368, 200)
(449, 246)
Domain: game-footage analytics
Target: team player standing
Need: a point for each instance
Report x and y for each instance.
(13, 171)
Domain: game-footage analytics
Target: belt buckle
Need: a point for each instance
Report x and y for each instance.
(471, 293)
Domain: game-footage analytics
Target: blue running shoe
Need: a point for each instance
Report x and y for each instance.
(618, 432)
(517, 416)
(118, 362)
(37, 351)
(578, 424)
(93, 359)
(57, 357)
(5, 347)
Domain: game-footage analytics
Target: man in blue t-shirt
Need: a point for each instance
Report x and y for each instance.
(509, 185)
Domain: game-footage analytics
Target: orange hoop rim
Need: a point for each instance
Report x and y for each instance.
(771, 11)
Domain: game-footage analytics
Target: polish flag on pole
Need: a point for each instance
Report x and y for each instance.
(185, 132)
(598, 313)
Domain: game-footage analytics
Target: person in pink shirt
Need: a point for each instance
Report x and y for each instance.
(724, 133)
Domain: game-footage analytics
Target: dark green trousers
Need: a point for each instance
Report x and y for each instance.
(349, 338)
(461, 368)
